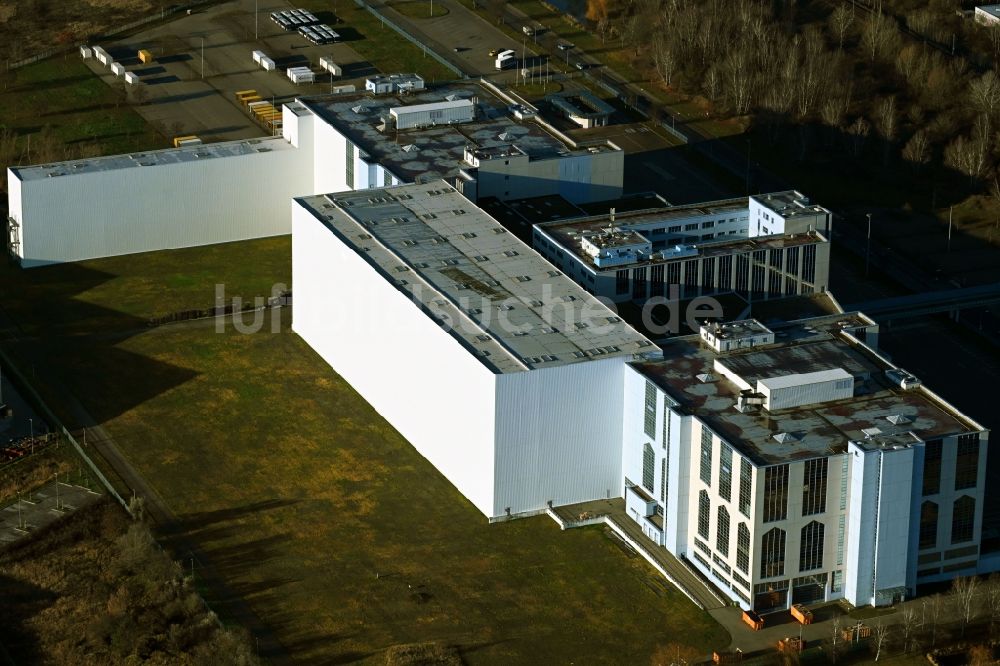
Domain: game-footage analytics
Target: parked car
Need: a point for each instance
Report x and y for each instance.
(564, 46)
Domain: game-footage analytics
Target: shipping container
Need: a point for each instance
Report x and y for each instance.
(86, 52)
(327, 63)
(180, 139)
(192, 141)
(102, 56)
(802, 614)
(345, 89)
(131, 78)
(257, 55)
(145, 56)
(268, 64)
(117, 68)
(242, 95)
(752, 620)
(248, 100)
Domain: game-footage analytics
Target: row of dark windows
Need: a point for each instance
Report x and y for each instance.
(966, 464)
(770, 274)
(963, 521)
(772, 550)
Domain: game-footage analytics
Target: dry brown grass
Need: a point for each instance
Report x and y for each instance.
(95, 589)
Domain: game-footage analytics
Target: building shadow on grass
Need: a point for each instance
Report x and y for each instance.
(70, 349)
(21, 602)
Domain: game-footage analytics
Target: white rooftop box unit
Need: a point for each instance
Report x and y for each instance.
(805, 389)
(340, 90)
(268, 64)
(131, 78)
(257, 55)
(86, 52)
(438, 113)
(117, 68)
(327, 63)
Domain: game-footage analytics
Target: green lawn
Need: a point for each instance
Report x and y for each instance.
(312, 508)
(124, 292)
(419, 9)
(382, 46)
(61, 102)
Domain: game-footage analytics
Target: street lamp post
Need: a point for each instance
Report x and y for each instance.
(868, 244)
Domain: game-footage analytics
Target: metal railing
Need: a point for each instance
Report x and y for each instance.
(415, 40)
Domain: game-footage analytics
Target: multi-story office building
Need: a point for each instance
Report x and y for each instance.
(764, 246)
(797, 465)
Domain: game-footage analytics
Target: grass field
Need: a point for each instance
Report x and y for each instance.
(124, 292)
(59, 106)
(312, 508)
(381, 45)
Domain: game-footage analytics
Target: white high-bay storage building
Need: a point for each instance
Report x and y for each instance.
(493, 338)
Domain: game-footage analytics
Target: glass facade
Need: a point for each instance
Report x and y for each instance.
(775, 493)
(772, 553)
(814, 487)
(811, 546)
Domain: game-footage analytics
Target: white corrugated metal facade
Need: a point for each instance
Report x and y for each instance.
(96, 212)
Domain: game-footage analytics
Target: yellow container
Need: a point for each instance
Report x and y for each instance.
(145, 56)
(179, 139)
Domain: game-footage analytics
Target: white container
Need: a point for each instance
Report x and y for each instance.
(117, 69)
(341, 90)
(257, 55)
(131, 78)
(194, 141)
(102, 56)
(329, 65)
(303, 77)
(86, 52)
(268, 64)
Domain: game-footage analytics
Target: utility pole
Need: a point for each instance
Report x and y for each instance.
(749, 149)
(255, 19)
(202, 57)
(950, 210)
(868, 244)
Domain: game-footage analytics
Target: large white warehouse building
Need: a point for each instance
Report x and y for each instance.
(484, 339)
(482, 142)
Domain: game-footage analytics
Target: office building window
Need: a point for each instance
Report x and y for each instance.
(775, 257)
(675, 229)
(840, 539)
(722, 531)
(843, 483)
(708, 273)
(775, 492)
(792, 261)
(963, 515)
(967, 462)
(928, 524)
(708, 225)
(663, 481)
(809, 263)
(790, 286)
(656, 285)
(725, 471)
(648, 461)
(743, 548)
(639, 283)
(772, 553)
(649, 415)
(674, 273)
(932, 467)
(774, 282)
(814, 487)
(706, 456)
(726, 272)
(757, 280)
(621, 282)
(704, 511)
(742, 273)
(811, 546)
(691, 227)
(690, 277)
(837, 582)
(746, 485)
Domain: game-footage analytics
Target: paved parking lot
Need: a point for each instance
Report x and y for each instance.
(41, 507)
(202, 59)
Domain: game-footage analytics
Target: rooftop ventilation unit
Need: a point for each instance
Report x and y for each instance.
(785, 438)
(902, 379)
(897, 419)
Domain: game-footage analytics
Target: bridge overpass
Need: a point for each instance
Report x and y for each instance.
(929, 302)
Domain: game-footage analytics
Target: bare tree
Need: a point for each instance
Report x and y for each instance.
(917, 149)
(885, 118)
(968, 155)
(909, 625)
(878, 32)
(880, 632)
(858, 132)
(835, 639)
(936, 607)
(840, 21)
(993, 584)
(985, 93)
(964, 592)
